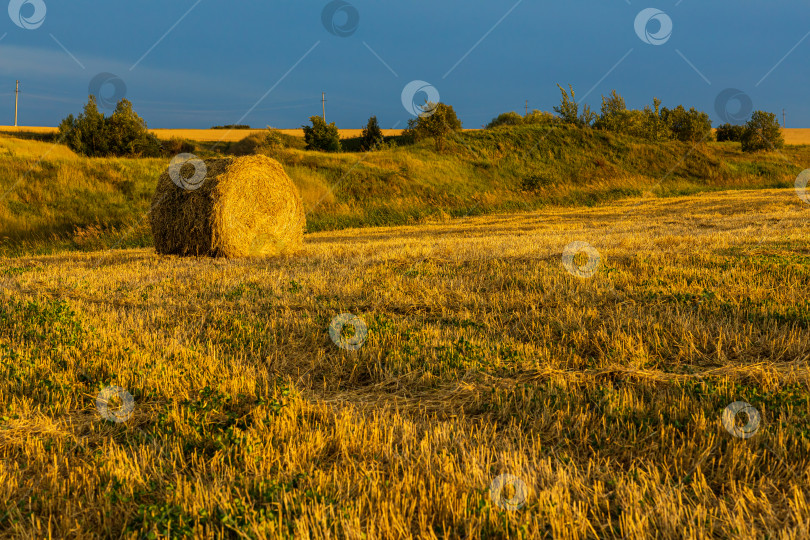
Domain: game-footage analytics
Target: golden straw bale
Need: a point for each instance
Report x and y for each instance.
(231, 207)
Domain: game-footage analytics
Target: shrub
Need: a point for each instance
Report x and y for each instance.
(728, 132)
(264, 142)
(175, 146)
(124, 133)
(437, 125)
(232, 126)
(254, 143)
(535, 183)
(322, 136)
(614, 116)
(687, 126)
(539, 117)
(514, 119)
(506, 119)
(652, 125)
(762, 132)
(647, 123)
(372, 138)
(569, 109)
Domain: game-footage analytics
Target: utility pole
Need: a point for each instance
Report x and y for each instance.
(323, 104)
(16, 102)
(783, 118)
(527, 107)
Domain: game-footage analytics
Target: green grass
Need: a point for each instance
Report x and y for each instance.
(65, 202)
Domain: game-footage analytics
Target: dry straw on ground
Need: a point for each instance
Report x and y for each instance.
(485, 357)
(244, 207)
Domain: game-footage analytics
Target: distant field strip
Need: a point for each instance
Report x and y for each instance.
(796, 136)
(484, 359)
(792, 135)
(209, 135)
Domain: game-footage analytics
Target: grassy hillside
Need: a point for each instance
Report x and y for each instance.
(483, 357)
(57, 200)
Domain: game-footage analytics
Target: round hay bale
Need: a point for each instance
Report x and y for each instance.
(232, 207)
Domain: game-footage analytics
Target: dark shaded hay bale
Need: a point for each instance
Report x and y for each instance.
(244, 207)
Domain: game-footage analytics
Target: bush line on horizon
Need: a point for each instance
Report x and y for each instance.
(124, 133)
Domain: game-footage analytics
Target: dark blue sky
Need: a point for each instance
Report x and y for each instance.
(219, 60)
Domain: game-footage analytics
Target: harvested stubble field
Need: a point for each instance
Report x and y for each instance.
(484, 357)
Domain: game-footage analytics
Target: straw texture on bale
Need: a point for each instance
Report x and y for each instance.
(244, 207)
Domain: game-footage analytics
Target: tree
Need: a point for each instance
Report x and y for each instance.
(569, 109)
(122, 134)
(762, 132)
(372, 135)
(68, 133)
(728, 132)
(322, 136)
(687, 126)
(126, 133)
(85, 134)
(440, 123)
